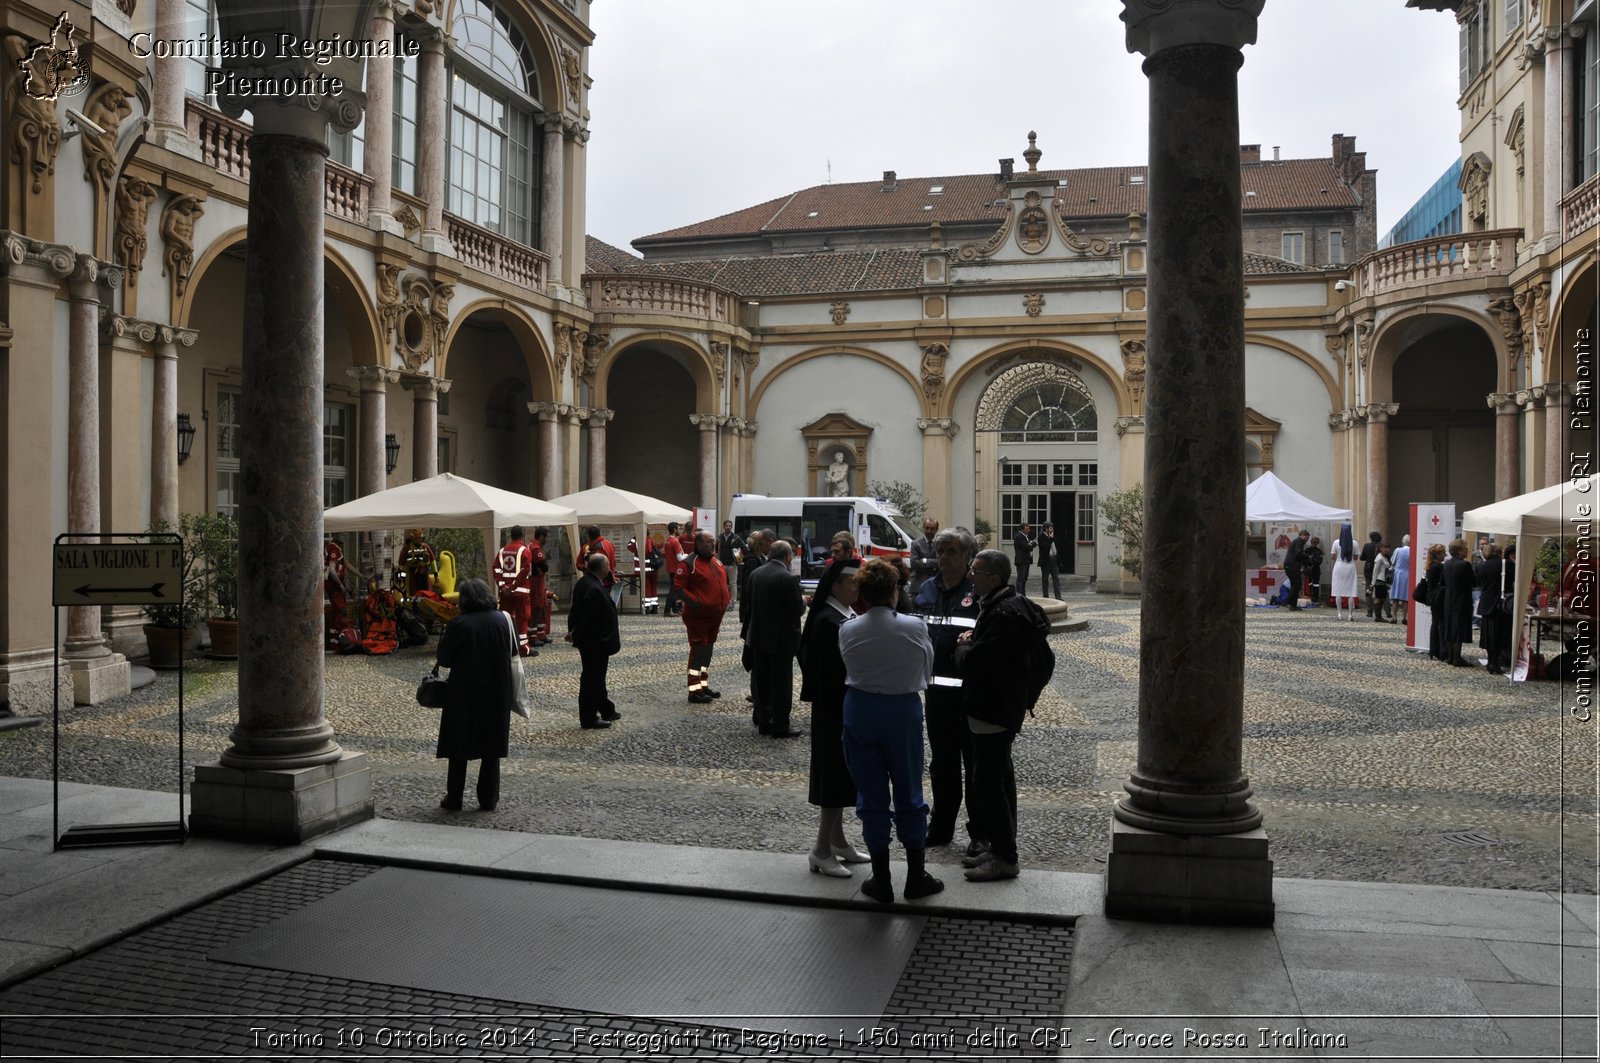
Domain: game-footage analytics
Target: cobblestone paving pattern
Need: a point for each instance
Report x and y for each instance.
(155, 994)
(1368, 762)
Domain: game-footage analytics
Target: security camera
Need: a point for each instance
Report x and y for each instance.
(84, 125)
(1342, 286)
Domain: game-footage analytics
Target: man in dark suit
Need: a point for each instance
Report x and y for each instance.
(1459, 581)
(776, 606)
(755, 555)
(592, 628)
(1022, 547)
(1369, 555)
(1294, 565)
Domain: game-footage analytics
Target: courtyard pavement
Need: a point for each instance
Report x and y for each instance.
(1351, 744)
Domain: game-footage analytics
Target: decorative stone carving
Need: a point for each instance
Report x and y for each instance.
(564, 335)
(1033, 154)
(938, 424)
(1379, 412)
(1124, 425)
(1363, 348)
(106, 107)
(1033, 303)
(572, 67)
(1516, 138)
(972, 252)
(133, 214)
(35, 133)
(1533, 302)
(1337, 343)
(177, 233)
(1155, 25)
(1509, 318)
(1133, 352)
(719, 363)
(414, 314)
(933, 359)
(57, 259)
(586, 362)
(1033, 226)
(839, 311)
(408, 221)
(1008, 387)
(1475, 187)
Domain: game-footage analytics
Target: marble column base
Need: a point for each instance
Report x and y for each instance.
(174, 140)
(1189, 878)
(25, 683)
(434, 242)
(99, 679)
(125, 632)
(283, 805)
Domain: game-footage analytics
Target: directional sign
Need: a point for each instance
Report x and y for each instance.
(117, 574)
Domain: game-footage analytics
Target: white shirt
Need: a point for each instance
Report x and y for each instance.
(885, 652)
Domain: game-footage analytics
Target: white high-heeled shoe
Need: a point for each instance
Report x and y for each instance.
(829, 866)
(849, 854)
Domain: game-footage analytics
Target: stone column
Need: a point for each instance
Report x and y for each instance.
(97, 673)
(707, 423)
(597, 445)
(1557, 138)
(124, 469)
(169, 127)
(936, 435)
(425, 392)
(164, 424)
(431, 97)
(378, 162)
(372, 458)
(1507, 445)
(571, 422)
(552, 206)
(1555, 397)
(1187, 843)
(548, 416)
(1377, 477)
(283, 777)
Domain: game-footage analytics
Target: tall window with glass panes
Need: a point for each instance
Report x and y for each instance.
(1056, 418)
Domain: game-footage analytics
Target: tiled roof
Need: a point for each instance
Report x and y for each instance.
(1257, 264)
(1110, 192)
(601, 257)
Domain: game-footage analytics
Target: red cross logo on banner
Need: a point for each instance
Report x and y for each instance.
(1265, 581)
(1434, 520)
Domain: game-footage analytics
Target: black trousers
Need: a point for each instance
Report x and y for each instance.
(774, 684)
(992, 797)
(950, 757)
(1049, 573)
(455, 781)
(593, 701)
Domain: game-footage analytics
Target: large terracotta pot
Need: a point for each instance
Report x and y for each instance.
(167, 645)
(224, 637)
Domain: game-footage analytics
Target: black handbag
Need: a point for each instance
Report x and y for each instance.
(431, 691)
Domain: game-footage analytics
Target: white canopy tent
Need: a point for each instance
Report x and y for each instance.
(1268, 498)
(611, 505)
(447, 501)
(1533, 518)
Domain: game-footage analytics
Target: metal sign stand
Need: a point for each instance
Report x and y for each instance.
(146, 568)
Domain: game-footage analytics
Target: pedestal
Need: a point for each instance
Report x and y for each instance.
(1189, 878)
(25, 683)
(99, 679)
(282, 805)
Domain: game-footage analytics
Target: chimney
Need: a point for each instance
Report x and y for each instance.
(888, 181)
(1276, 157)
(1249, 152)
(1006, 168)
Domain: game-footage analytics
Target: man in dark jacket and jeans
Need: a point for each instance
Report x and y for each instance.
(950, 606)
(994, 692)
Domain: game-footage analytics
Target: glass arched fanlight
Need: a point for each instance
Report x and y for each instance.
(486, 36)
(1050, 411)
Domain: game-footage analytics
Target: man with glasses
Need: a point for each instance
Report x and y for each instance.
(949, 604)
(991, 661)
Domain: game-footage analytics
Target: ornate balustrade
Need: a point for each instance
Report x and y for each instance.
(223, 141)
(494, 254)
(1421, 262)
(630, 292)
(1581, 207)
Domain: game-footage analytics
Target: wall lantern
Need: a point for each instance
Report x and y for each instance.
(185, 438)
(391, 451)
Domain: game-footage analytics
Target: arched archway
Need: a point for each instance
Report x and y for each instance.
(496, 363)
(652, 386)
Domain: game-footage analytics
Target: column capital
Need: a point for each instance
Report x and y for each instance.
(57, 260)
(1502, 402)
(570, 414)
(373, 377)
(553, 122)
(1125, 425)
(1524, 397)
(1555, 392)
(597, 418)
(1156, 25)
(545, 411)
(707, 421)
(937, 426)
(114, 325)
(1380, 412)
(172, 336)
(430, 387)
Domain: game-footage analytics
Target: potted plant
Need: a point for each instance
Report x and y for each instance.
(981, 530)
(217, 542)
(172, 627)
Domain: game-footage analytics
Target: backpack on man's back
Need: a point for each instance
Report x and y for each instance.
(1038, 659)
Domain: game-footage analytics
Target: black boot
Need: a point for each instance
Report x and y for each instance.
(918, 882)
(879, 887)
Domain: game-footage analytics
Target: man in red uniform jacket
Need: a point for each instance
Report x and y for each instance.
(539, 624)
(599, 544)
(703, 586)
(674, 555)
(513, 575)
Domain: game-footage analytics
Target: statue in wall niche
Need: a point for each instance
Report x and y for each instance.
(836, 479)
(106, 108)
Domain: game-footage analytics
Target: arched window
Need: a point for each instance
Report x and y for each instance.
(490, 39)
(1052, 411)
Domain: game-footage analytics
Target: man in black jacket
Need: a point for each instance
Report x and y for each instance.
(755, 555)
(923, 562)
(993, 671)
(1049, 562)
(1369, 554)
(776, 606)
(592, 628)
(728, 546)
(950, 606)
(1022, 547)
(1294, 566)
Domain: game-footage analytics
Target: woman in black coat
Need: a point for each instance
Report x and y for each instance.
(1459, 580)
(476, 722)
(822, 675)
(1495, 627)
(1435, 578)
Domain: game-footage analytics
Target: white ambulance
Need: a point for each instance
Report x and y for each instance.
(813, 522)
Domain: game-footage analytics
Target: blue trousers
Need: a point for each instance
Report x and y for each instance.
(883, 749)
